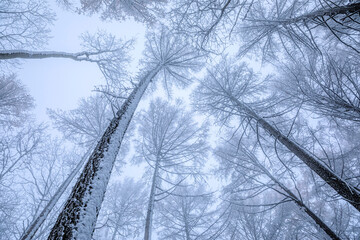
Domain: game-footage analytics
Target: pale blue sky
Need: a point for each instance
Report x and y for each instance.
(60, 83)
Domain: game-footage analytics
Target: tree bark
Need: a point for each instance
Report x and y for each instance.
(344, 189)
(78, 218)
(187, 230)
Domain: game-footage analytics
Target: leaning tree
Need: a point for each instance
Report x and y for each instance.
(230, 90)
(170, 56)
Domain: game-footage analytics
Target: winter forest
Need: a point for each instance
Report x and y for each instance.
(180, 120)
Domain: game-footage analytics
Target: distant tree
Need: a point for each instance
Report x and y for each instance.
(78, 218)
(300, 25)
(245, 167)
(94, 114)
(122, 213)
(188, 214)
(251, 223)
(24, 23)
(226, 91)
(173, 146)
(15, 101)
(16, 146)
(20, 139)
(85, 124)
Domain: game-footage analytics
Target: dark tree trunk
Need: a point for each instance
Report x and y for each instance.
(344, 189)
(301, 204)
(78, 218)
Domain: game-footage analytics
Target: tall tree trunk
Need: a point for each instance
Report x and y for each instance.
(78, 218)
(318, 15)
(298, 202)
(37, 222)
(343, 188)
(150, 209)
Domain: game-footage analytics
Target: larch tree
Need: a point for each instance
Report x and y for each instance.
(78, 218)
(251, 223)
(228, 91)
(85, 124)
(16, 146)
(244, 167)
(15, 101)
(188, 214)
(42, 175)
(173, 146)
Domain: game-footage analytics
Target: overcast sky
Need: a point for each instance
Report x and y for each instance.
(60, 83)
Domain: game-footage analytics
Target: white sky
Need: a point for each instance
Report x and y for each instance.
(60, 83)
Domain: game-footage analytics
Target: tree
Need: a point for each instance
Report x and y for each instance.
(20, 139)
(15, 101)
(292, 25)
(77, 220)
(94, 114)
(188, 214)
(173, 147)
(328, 86)
(24, 24)
(225, 90)
(85, 124)
(208, 23)
(45, 174)
(246, 165)
(122, 211)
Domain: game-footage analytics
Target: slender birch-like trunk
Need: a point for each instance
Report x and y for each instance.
(150, 209)
(344, 189)
(78, 218)
(37, 222)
